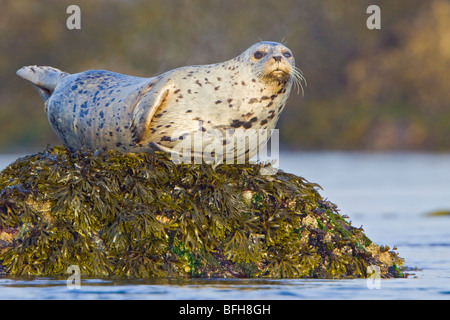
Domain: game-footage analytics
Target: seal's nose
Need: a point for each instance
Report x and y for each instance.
(277, 58)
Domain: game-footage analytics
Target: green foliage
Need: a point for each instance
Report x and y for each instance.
(140, 216)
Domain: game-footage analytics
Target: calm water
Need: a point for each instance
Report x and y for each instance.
(390, 195)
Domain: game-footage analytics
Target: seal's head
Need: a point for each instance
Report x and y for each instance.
(273, 62)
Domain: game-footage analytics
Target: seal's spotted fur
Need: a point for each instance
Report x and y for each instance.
(103, 109)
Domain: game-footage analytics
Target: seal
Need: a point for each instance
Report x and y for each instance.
(103, 109)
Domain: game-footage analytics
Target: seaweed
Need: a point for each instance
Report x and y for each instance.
(139, 215)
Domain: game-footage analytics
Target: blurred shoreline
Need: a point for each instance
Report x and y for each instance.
(380, 90)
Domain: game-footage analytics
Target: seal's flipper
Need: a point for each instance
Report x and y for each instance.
(44, 79)
(159, 147)
(145, 109)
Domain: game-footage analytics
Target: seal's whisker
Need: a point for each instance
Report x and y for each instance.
(260, 73)
(298, 79)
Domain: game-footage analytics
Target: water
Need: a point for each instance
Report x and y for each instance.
(389, 194)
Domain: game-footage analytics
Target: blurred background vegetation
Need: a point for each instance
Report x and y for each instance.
(382, 89)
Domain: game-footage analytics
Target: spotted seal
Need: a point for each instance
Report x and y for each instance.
(103, 109)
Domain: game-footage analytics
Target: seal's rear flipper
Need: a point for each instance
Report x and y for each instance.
(44, 79)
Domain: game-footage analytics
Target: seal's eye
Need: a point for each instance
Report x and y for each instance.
(287, 54)
(258, 55)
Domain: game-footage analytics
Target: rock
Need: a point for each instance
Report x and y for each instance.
(439, 213)
(142, 216)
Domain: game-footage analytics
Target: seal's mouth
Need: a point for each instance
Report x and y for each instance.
(275, 71)
(279, 74)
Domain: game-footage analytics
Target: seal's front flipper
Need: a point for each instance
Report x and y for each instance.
(146, 108)
(44, 79)
(159, 147)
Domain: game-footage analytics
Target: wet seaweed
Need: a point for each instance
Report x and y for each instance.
(139, 215)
